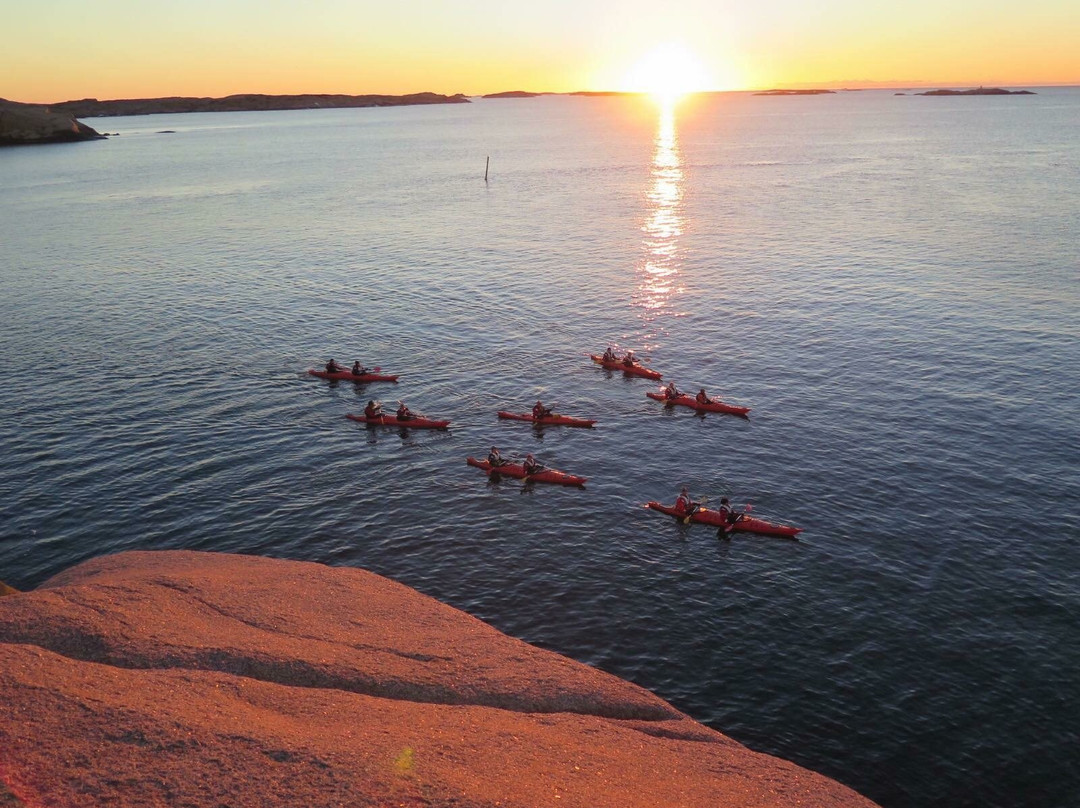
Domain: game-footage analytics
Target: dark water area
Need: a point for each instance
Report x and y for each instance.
(891, 283)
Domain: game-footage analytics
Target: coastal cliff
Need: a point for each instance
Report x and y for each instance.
(30, 123)
(203, 679)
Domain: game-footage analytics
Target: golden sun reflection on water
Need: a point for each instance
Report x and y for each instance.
(658, 270)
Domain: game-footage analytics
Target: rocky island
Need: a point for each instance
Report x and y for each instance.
(205, 679)
(250, 102)
(513, 94)
(795, 92)
(978, 91)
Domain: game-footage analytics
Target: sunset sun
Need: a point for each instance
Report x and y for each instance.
(667, 72)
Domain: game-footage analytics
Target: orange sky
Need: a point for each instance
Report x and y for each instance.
(66, 49)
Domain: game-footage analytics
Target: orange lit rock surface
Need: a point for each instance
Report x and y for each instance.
(203, 679)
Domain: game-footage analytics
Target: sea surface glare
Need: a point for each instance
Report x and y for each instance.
(891, 283)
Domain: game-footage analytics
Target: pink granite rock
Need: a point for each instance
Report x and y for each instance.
(202, 679)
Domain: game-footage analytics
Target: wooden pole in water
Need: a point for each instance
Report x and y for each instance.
(486, 164)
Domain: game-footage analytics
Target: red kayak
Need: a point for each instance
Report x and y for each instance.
(747, 524)
(562, 420)
(634, 370)
(349, 376)
(416, 422)
(517, 471)
(684, 400)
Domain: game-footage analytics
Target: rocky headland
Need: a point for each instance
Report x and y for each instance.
(203, 679)
(30, 123)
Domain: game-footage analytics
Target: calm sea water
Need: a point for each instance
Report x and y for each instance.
(891, 283)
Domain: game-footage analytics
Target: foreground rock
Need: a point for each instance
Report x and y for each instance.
(198, 679)
(29, 123)
(250, 102)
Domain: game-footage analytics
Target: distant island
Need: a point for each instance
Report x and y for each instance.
(795, 92)
(249, 102)
(514, 94)
(977, 91)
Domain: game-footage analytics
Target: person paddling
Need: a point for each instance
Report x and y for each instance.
(684, 506)
(530, 466)
(358, 369)
(333, 367)
(494, 458)
(373, 410)
(610, 356)
(701, 398)
(629, 360)
(403, 412)
(730, 517)
(671, 392)
(540, 411)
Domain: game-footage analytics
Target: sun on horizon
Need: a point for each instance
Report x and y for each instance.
(668, 72)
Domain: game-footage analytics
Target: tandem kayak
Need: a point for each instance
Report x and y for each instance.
(747, 524)
(562, 420)
(634, 370)
(517, 471)
(691, 402)
(349, 376)
(416, 422)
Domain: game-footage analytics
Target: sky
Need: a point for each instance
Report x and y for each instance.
(58, 50)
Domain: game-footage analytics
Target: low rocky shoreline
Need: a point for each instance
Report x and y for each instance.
(57, 123)
(207, 679)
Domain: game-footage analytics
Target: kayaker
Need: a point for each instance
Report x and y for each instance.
(684, 506)
(403, 412)
(540, 411)
(373, 409)
(730, 516)
(494, 458)
(358, 369)
(610, 356)
(701, 398)
(671, 392)
(629, 360)
(530, 466)
(333, 367)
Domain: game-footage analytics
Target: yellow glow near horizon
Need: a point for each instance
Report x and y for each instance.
(667, 72)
